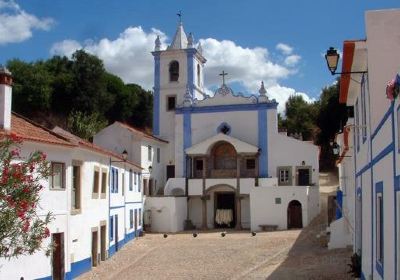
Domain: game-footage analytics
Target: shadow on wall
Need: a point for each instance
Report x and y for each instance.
(308, 259)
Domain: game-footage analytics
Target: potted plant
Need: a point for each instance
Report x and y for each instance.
(355, 266)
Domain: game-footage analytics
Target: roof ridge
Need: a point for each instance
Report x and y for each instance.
(41, 126)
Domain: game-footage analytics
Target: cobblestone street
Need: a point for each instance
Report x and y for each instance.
(294, 254)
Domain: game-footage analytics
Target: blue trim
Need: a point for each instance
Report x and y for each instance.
(357, 121)
(362, 276)
(156, 95)
(339, 201)
(389, 148)
(80, 267)
(382, 122)
(378, 190)
(227, 108)
(190, 70)
(187, 138)
(396, 182)
(263, 143)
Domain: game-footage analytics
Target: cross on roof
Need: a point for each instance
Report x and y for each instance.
(223, 74)
(179, 14)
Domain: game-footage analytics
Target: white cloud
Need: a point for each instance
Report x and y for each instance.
(292, 60)
(284, 48)
(16, 25)
(245, 65)
(66, 47)
(281, 94)
(129, 56)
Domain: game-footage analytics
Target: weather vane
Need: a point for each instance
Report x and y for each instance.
(223, 74)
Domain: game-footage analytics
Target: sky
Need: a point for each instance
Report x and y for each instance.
(279, 42)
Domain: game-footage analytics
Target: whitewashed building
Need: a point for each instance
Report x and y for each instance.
(142, 148)
(226, 163)
(371, 175)
(78, 195)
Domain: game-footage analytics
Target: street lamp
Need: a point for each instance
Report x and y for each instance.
(335, 148)
(332, 60)
(124, 157)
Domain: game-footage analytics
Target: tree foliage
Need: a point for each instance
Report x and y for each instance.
(319, 121)
(64, 88)
(22, 230)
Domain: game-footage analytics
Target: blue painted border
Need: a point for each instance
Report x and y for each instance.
(187, 138)
(382, 122)
(80, 267)
(389, 148)
(378, 190)
(263, 143)
(227, 108)
(190, 70)
(156, 94)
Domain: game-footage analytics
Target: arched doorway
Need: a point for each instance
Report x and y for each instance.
(224, 197)
(223, 160)
(294, 215)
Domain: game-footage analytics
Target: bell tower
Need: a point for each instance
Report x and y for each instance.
(178, 79)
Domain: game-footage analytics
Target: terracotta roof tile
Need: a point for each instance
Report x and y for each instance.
(30, 131)
(145, 134)
(88, 145)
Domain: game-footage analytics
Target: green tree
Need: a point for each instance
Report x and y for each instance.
(300, 117)
(21, 229)
(89, 85)
(85, 125)
(32, 88)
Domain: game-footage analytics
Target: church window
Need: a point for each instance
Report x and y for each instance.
(224, 128)
(174, 71)
(198, 74)
(199, 164)
(250, 163)
(285, 176)
(171, 103)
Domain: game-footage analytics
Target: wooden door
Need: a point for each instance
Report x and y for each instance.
(294, 215)
(94, 247)
(303, 177)
(103, 249)
(58, 268)
(170, 171)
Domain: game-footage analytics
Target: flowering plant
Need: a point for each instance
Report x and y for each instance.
(22, 229)
(393, 88)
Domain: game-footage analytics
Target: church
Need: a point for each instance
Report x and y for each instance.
(225, 163)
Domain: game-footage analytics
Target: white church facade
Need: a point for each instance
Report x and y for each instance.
(225, 163)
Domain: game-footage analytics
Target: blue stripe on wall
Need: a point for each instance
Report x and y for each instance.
(227, 108)
(187, 137)
(190, 70)
(263, 143)
(77, 268)
(156, 96)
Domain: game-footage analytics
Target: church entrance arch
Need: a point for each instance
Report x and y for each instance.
(224, 197)
(294, 215)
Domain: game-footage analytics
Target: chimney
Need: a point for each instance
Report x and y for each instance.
(5, 98)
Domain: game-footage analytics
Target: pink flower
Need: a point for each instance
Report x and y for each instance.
(390, 89)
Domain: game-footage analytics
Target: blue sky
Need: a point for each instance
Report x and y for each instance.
(303, 30)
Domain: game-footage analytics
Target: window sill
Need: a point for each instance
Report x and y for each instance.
(57, 189)
(95, 195)
(103, 195)
(76, 211)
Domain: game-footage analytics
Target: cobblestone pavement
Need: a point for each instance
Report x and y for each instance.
(294, 254)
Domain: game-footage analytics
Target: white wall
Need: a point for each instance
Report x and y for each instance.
(264, 210)
(167, 214)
